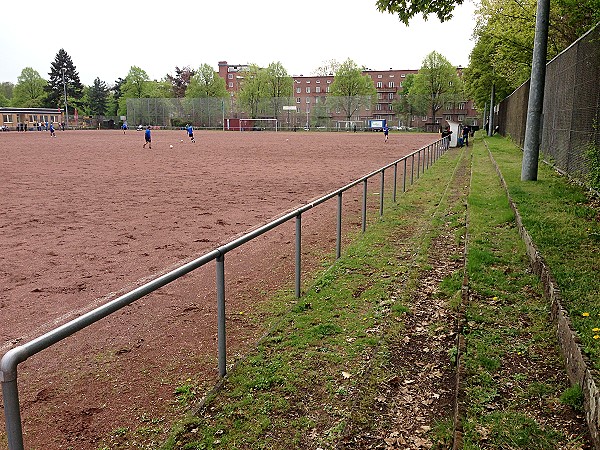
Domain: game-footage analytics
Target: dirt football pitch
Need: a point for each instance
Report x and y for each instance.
(90, 215)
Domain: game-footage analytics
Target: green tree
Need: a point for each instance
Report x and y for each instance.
(6, 89)
(350, 89)
(29, 91)
(98, 98)
(253, 89)
(63, 65)
(437, 83)
(136, 85)
(406, 103)
(407, 9)
(3, 100)
(279, 86)
(206, 83)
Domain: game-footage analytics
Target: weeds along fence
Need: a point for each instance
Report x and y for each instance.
(411, 166)
(571, 111)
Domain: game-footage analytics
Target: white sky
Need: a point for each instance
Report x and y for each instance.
(105, 38)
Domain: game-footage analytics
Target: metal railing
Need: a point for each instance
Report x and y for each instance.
(425, 157)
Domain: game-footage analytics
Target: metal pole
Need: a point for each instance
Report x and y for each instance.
(395, 182)
(412, 168)
(404, 177)
(491, 120)
(535, 106)
(221, 315)
(298, 252)
(381, 193)
(364, 207)
(338, 244)
(65, 89)
(12, 413)
(418, 164)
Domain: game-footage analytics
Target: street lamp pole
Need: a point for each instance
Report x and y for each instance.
(65, 89)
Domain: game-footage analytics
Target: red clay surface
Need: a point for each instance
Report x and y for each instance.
(87, 216)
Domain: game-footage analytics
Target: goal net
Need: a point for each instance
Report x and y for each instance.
(258, 124)
(348, 125)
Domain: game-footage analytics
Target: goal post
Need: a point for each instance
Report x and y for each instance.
(258, 124)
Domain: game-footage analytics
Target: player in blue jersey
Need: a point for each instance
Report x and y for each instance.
(148, 138)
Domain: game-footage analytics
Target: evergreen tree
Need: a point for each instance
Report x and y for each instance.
(55, 87)
(98, 98)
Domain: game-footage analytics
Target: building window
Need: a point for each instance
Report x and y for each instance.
(230, 76)
(461, 118)
(390, 107)
(378, 107)
(318, 89)
(461, 105)
(424, 118)
(298, 100)
(391, 76)
(448, 117)
(379, 96)
(318, 81)
(328, 81)
(379, 85)
(403, 76)
(316, 99)
(298, 90)
(327, 90)
(391, 96)
(231, 84)
(308, 89)
(391, 84)
(307, 99)
(307, 81)
(7, 118)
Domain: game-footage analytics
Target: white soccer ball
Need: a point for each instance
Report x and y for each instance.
(170, 146)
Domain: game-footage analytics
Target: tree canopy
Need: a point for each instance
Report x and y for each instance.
(29, 92)
(350, 89)
(436, 84)
(205, 82)
(407, 9)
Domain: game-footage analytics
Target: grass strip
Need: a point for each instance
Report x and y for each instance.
(514, 375)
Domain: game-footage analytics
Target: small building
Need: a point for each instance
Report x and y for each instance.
(27, 119)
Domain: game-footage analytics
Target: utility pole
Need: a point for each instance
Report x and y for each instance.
(531, 149)
(64, 69)
(491, 118)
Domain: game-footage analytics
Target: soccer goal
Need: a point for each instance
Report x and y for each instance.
(348, 125)
(258, 124)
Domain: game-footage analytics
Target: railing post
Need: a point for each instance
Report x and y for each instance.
(12, 411)
(395, 182)
(221, 337)
(338, 242)
(404, 177)
(419, 164)
(428, 155)
(298, 253)
(412, 168)
(381, 193)
(364, 206)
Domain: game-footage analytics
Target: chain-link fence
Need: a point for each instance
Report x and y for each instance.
(327, 113)
(571, 115)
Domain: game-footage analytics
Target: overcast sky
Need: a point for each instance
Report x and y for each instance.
(105, 38)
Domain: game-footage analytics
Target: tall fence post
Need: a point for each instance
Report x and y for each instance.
(412, 168)
(404, 177)
(298, 253)
(338, 242)
(221, 337)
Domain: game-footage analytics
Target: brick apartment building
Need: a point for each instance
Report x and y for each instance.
(311, 91)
